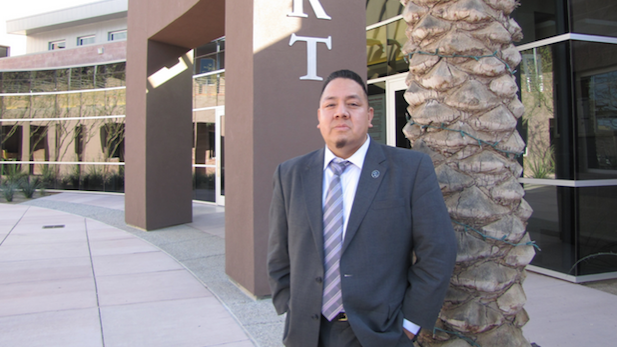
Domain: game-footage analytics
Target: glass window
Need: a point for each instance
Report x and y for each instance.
(384, 50)
(11, 141)
(204, 153)
(39, 146)
(208, 48)
(546, 126)
(376, 52)
(540, 19)
(116, 35)
(396, 41)
(110, 75)
(380, 10)
(204, 184)
(551, 226)
(209, 91)
(44, 81)
(597, 222)
(112, 140)
(594, 17)
(377, 100)
(402, 116)
(15, 82)
(595, 73)
(4, 51)
(539, 119)
(82, 78)
(57, 45)
(15, 107)
(210, 57)
(85, 40)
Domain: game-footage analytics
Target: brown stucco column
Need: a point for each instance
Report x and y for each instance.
(161, 34)
(271, 113)
(164, 159)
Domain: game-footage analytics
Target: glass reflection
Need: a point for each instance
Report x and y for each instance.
(78, 78)
(594, 17)
(598, 229)
(384, 47)
(536, 78)
(540, 19)
(396, 41)
(210, 57)
(209, 91)
(596, 98)
(376, 52)
(204, 180)
(545, 81)
(380, 10)
(377, 100)
(551, 226)
(402, 116)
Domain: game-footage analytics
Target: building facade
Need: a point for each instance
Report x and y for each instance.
(63, 112)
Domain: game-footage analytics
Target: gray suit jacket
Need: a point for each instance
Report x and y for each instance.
(394, 214)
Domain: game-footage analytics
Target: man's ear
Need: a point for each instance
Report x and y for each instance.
(371, 113)
(318, 117)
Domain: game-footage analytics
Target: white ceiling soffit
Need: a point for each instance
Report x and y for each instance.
(78, 15)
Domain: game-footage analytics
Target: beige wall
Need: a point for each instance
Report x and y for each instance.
(40, 42)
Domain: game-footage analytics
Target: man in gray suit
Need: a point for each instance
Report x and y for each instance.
(345, 224)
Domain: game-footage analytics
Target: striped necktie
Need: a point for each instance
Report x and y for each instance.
(332, 302)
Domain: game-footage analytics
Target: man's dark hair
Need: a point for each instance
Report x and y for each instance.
(348, 74)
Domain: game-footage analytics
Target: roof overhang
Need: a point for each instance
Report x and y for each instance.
(73, 16)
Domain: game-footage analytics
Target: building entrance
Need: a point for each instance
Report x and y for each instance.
(208, 154)
(386, 96)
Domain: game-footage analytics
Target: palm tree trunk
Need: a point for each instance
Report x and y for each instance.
(464, 110)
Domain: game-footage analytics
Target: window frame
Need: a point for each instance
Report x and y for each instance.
(54, 45)
(81, 39)
(8, 51)
(110, 35)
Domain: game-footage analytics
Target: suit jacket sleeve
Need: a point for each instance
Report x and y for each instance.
(278, 255)
(434, 246)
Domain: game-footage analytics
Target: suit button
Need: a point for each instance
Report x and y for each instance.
(315, 316)
(319, 280)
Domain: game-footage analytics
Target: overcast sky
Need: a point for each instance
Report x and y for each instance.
(11, 9)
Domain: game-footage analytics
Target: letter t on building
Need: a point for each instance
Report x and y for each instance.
(311, 54)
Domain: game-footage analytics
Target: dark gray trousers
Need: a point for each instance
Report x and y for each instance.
(336, 334)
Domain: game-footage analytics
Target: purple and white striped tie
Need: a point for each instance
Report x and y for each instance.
(332, 302)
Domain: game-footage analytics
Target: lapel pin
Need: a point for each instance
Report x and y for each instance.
(375, 174)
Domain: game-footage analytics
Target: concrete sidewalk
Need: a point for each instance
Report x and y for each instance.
(72, 273)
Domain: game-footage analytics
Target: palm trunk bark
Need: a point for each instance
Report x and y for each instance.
(464, 110)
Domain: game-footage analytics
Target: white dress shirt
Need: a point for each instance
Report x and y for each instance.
(349, 182)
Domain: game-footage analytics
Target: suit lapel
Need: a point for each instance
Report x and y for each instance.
(312, 182)
(373, 172)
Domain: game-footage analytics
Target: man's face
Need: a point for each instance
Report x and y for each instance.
(344, 116)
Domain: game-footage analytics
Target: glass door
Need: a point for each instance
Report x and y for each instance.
(209, 154)
(396, 110)
(220, 156)
(386, 97)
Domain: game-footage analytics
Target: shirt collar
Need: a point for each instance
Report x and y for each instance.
(357, 158)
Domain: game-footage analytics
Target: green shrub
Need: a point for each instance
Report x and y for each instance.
(115, 181)
(71, 181)
(29, 186)
(8, 191)
(94, 179)
(49, 177)
(12, 173)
